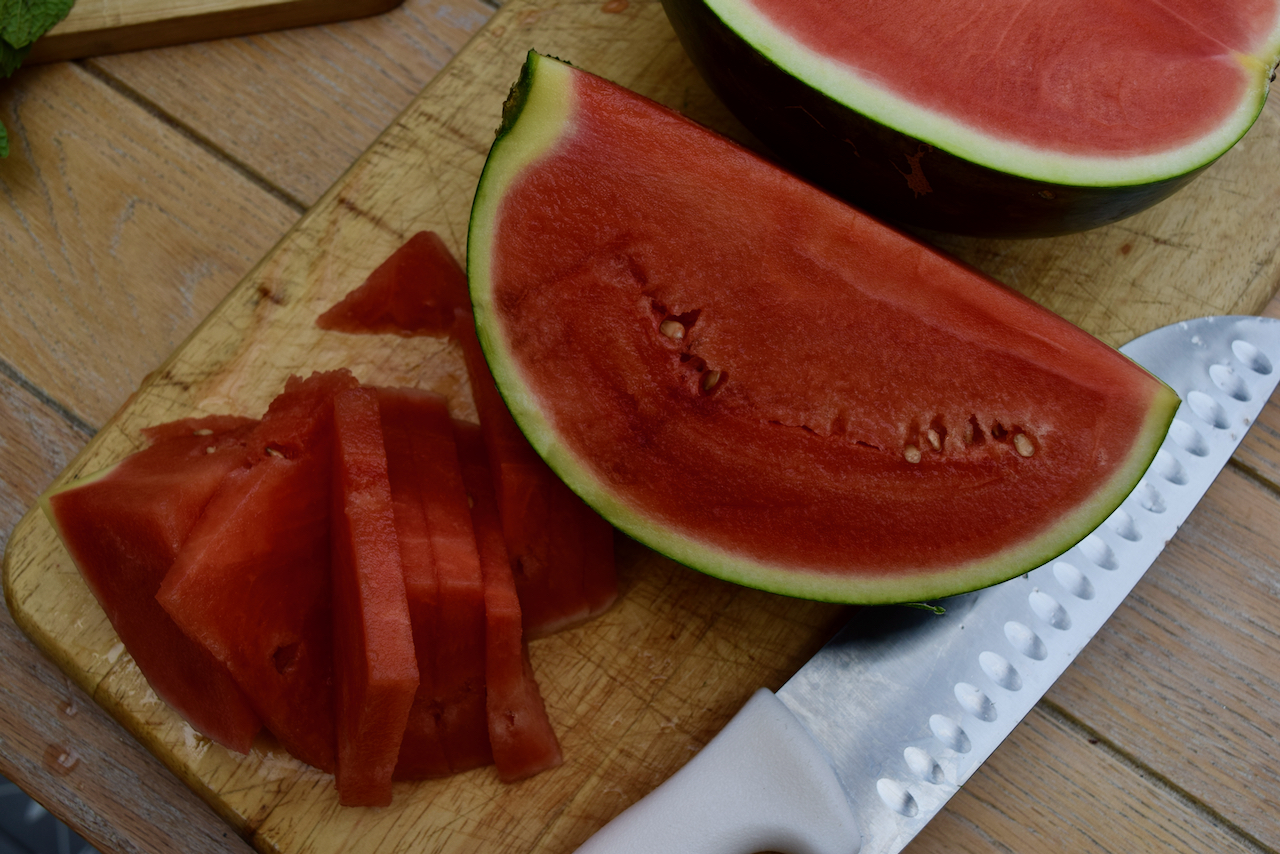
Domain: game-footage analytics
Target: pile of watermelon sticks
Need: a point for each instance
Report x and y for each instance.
(355, 575)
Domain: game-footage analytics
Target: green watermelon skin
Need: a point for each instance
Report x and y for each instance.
(910, 181)
(769, 386)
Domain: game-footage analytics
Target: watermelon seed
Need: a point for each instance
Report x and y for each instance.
(274, 452)
(211, 450)
(203, 432)
(711, 379)
(673, 329)
(911, 453)
(935, 441)
(1023, 444)
(972, 432)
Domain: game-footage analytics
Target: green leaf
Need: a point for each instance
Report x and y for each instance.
(24, 21)
(11, 57)
(4, 141)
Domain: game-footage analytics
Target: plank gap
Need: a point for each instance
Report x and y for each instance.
(94, 69)
(1096, 739)
(72, 420)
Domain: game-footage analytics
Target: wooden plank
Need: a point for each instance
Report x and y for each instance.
(104, 201)
(633, 691)
(96, 27)
(1184, 677)
(297, 107)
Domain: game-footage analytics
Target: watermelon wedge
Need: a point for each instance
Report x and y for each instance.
(524, 743)
(402, 296)
(252, 581)
(123, 527)
(375, 668)
(763, 383)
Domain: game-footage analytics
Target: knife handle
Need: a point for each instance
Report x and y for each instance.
(761, 784)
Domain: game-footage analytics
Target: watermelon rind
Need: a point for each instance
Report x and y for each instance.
(860, 140)
(537, 116)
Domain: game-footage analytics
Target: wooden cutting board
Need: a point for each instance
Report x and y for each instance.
(636, 692)
(100, 27)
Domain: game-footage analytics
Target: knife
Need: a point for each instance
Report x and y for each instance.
(871, 737)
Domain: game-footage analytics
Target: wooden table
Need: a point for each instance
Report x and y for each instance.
(143, 187)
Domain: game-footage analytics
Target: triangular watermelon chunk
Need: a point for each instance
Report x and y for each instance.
(123, 527)
(447, 732)
(252, 582)
(523, 740)
(375, 668)
(400, 296)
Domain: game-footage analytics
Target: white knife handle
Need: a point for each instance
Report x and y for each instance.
(760, 785)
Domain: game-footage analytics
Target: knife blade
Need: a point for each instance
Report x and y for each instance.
(874, 734)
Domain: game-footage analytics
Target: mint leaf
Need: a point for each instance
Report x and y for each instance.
(11, 57)
(24, 21)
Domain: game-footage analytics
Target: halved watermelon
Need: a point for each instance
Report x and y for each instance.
(1002, 117)
(767, 385)
(123, 527)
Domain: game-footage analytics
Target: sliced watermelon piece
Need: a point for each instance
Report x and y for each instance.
(375, 668)
(123, 527)
(524, 743)
(447, 721)
(990, 117)
(561, 549)
(401, 296)
(749, 376)
(252, 582)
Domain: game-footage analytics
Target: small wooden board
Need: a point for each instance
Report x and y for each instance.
(100, 27)
(636, 692)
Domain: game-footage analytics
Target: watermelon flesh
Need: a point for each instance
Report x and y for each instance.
(446, 731)
(252, 582)
(401, 296)
(561, 550)
(1074, 77)
(767, 385)
(375, 667)
(520, 733)
(123, 528)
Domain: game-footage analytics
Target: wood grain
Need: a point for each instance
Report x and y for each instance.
(635, 692)
(297, 107)
(106, 201)
(96, 27)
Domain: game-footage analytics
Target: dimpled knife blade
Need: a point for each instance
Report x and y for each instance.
(906, 704)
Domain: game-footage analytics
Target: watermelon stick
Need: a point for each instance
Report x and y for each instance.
(523, 741)
(375, 668)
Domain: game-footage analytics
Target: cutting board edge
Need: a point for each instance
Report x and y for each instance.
(88, 35)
